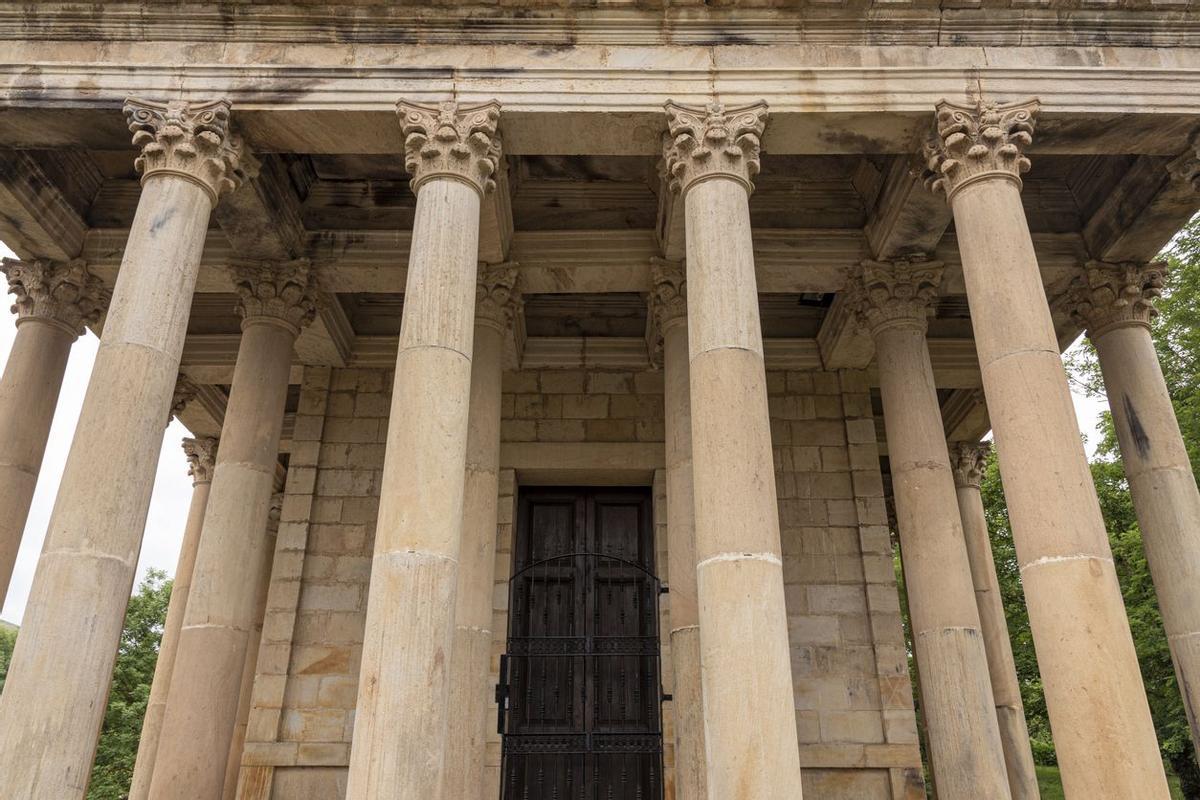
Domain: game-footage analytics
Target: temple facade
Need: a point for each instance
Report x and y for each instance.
(564, 377)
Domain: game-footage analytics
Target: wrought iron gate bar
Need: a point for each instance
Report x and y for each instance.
(581, 681)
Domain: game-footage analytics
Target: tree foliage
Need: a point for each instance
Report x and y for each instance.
(132, 675)
(8, 638)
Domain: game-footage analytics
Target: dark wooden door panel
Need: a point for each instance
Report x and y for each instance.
(583, 689)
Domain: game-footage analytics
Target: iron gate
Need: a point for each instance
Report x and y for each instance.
(580, 686)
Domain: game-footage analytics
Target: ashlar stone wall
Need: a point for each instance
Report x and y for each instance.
(853, 699)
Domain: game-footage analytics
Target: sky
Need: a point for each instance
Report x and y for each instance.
(172, 486)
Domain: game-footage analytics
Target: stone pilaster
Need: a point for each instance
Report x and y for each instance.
(60, 672)
(893, 301)
(452, 152)
(53, 303)
(201, 455)
(668, 304)
(497, 302)
(276, 301)
(711, 154)
(1115, 303)
(1105, 737)
(969, 461)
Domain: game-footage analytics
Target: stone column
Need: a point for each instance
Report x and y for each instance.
(57, 683)
(451, 153)
(668, 303)
(200, 455)
(1098, 710)
(893, 301)
(54, 303)
(711, 155)
(276, 301)
(968, 461)
(234, 763)
(496, 304)
(1114, 303)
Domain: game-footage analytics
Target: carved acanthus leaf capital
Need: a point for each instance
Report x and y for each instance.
(497, 298)
(202, 457)
(668, 292)
(189, 140)
(1104, 296)
(900, 292)
(184, 393)
(713, 141)
(275, 512)
(284, 293)
(451, 141)
(61, 292)
(1186, 167)
(969, 461)
(979, 141)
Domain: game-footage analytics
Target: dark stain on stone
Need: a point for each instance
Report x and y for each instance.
(159, 221)
(1140, 440)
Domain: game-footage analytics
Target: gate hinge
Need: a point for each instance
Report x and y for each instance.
(667, 698)
(664, 589)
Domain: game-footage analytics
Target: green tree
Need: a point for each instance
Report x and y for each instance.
(132, 675)
(8, 638)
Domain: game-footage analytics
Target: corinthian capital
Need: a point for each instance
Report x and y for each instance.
(668, 293)
(968, 461)
(62, 293)
(189, 140)
(900, 292)
(202, 457)
(497, 299)
(185, 392)
(979, 141)
(1186, 167)
(713, 141)
(451, 141)
(283, 293)
(1105, 296)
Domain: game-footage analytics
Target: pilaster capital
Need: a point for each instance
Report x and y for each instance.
(900, 292)
(1104, 296)
(63, 293)
(282, 293)
(275, 512)
(713, 141)
(668, 292)
(497, 298)
(1186, 167)
(202, 457)
(184, 393)
(976, 142)
(451, 141)
(191, 141)
(968, 460)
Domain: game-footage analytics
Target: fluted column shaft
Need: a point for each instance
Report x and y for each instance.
(403, 684)
(746, 674)
(968, 462)
(470, 660)
(1103, 733)
(245, 695)
(1114, 302)
(893, 300)
(670, 307)
(54, 302)
(58, 680)
(202, 703)
(200, 453)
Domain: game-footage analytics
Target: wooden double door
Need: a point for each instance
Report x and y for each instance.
(580, 688)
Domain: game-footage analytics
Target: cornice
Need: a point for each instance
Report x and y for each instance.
(918, 22)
